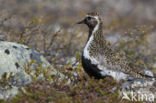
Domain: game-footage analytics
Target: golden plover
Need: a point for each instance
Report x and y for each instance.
(98, 60)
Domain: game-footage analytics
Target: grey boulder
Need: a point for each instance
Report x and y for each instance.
(14, 60)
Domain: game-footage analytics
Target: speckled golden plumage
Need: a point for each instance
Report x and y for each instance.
(101, 51)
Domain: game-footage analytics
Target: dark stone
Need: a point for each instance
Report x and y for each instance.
(7, 51)
(17, 65)
(31, 55)
(27, 48)
(35, 56)
(14, 47)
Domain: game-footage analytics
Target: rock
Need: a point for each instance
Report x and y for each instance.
(14, 60)
(147, 72)
(73, 62)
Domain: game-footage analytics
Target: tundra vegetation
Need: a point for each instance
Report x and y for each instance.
(48, 26)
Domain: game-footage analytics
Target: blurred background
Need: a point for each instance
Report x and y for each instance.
(49, 26)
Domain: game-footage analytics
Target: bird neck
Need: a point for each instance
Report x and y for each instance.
(96, 34)
(95, 43)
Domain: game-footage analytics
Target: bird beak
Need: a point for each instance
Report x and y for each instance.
(81, 22)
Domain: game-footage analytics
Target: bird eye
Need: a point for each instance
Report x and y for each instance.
(89, 18)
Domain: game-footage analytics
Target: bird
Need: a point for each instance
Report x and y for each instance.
(98, 59)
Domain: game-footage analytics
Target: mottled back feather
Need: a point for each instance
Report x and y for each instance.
(101, 51)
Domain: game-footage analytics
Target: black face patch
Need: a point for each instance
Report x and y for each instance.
(14, 47)
(7, 51)
(91, 22)
(17, 65)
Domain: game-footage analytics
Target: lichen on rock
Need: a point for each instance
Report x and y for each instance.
(17, 65)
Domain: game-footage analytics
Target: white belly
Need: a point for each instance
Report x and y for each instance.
(118, 76)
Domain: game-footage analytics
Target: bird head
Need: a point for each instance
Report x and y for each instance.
(91, 20)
